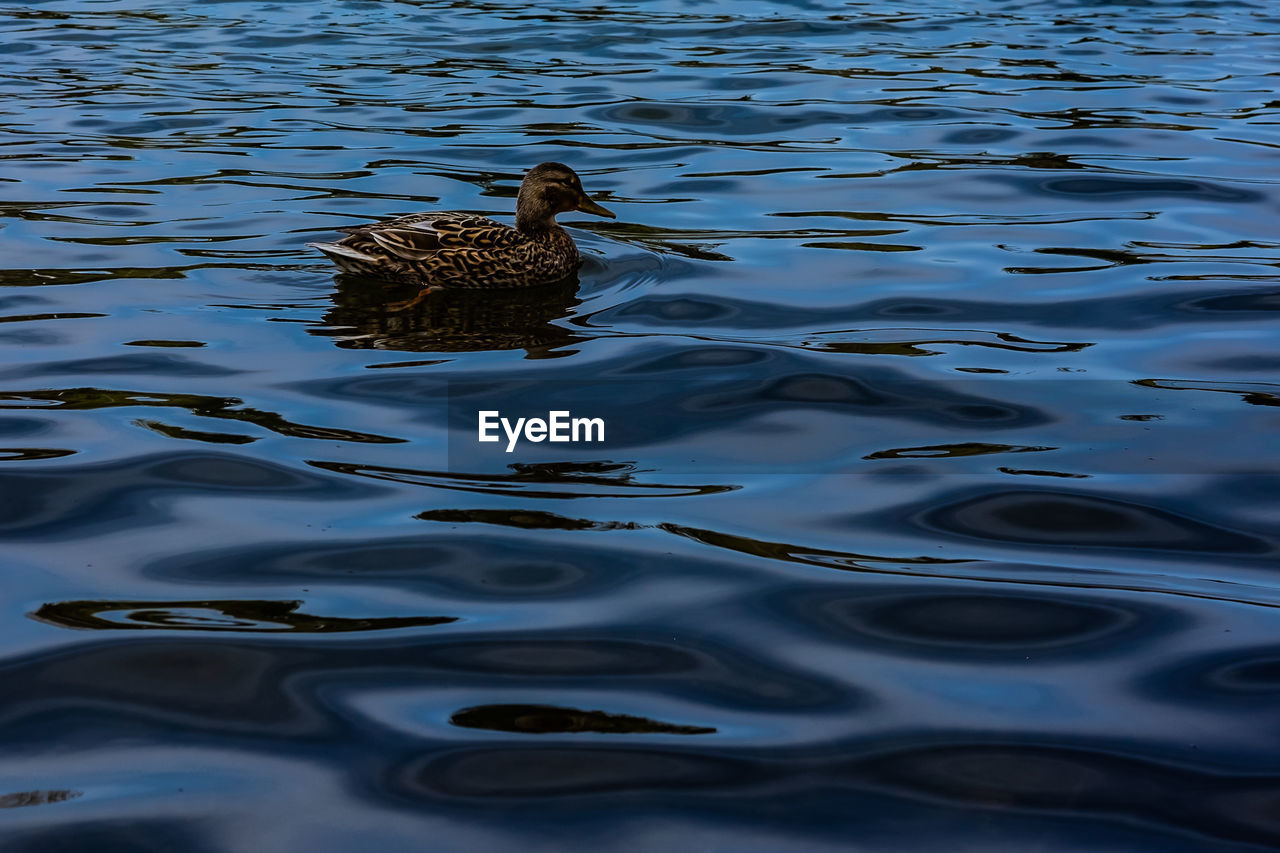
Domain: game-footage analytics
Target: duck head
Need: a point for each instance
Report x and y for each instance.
(548, 189)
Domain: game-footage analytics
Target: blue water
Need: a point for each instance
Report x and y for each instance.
(975, 550)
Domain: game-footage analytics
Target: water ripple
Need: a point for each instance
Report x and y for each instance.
(942, 341)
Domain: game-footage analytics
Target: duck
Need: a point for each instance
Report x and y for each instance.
(450, 249)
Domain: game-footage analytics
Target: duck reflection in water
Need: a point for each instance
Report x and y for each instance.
(374, 315)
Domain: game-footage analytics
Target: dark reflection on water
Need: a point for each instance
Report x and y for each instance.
(999, 627)
(1017, 263)
(550, 480)
(368, 315)
(545, 719)
(36, 798)
(213, 616)
(1081, 520)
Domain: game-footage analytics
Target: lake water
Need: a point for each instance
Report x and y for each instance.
(942, 343)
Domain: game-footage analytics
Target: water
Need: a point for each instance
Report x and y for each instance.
(976, 550)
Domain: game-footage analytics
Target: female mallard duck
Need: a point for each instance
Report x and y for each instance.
(462, 250)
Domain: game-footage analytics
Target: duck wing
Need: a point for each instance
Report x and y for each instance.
(421, 235)
(449, 249)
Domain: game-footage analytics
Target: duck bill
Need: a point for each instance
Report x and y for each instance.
(586, 205)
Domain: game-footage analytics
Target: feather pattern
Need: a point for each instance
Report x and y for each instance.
(449, 249)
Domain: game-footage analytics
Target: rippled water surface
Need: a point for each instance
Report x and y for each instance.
(983, 554)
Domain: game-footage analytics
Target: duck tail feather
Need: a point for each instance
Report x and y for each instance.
(345, 257)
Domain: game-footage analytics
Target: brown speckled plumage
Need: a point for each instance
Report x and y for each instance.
(463, 250)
